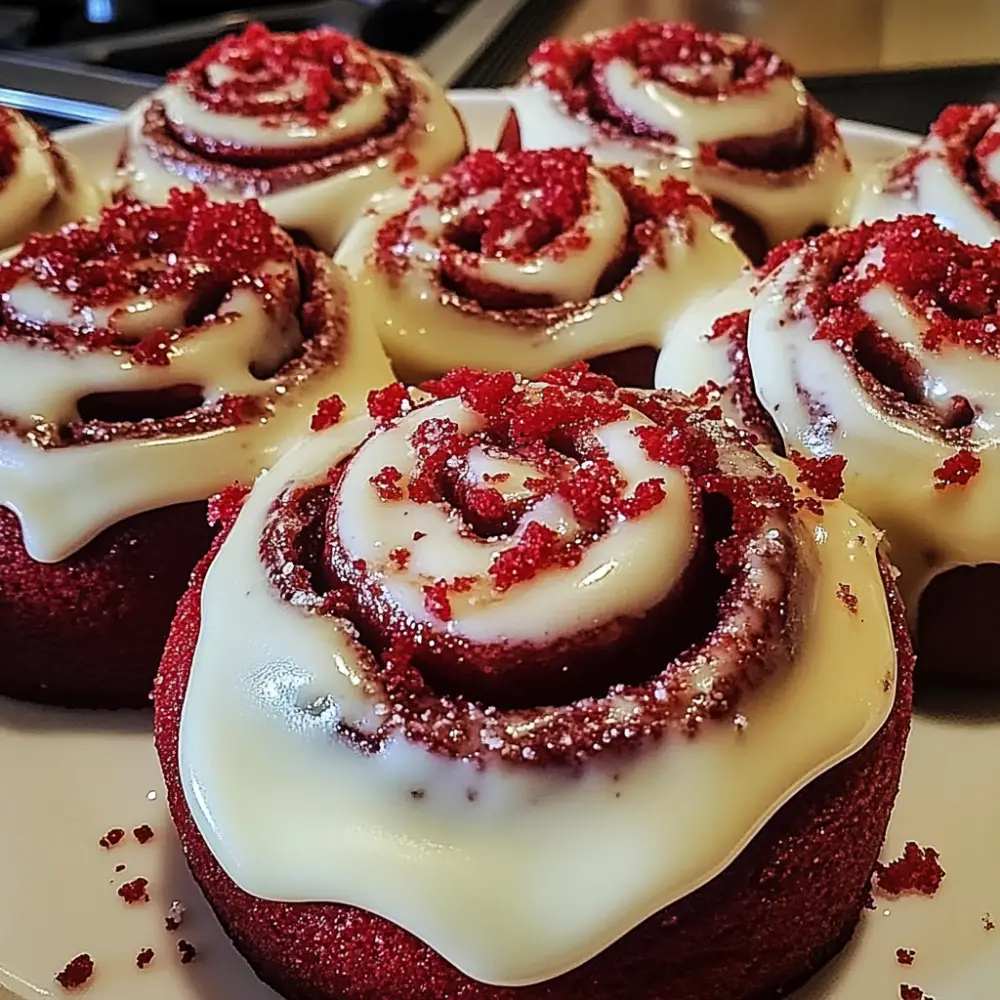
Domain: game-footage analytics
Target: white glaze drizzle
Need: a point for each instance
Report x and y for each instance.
(425, 333)
(540, 873)
(785, 207)
(934, 187)
(635, 565)
(35, 198)
(324, 208)
(65, 496)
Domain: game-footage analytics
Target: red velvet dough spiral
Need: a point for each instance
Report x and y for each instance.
(149, 360)
(723, 111)
(559, 690)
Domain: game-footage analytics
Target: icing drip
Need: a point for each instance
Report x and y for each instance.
(424, 785)
(40, 185)
(880, 344)
(954, 175)
(157, 356)
(722, 111)
(313, 123)
(540, 257)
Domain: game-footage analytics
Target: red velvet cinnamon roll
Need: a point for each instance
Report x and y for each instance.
(313, 124)
(954, 175)
(41, 186)
(148, 360)
(880, 344)
(725, 112)
(532, 260)
(558, 690)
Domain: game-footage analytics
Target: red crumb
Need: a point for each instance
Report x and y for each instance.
(917, 871)
(487, 503)
(386, 484)
(988, 922)
(436, 600)
(646, 497)
(957, 470)
(135, 891)
(224, 507)
(187, 951)
(144, 957)
(847, 598)
(328, 413)
(912, 993)
(400, 558)
(144, 834)
(417, 535)
(540, 548)
(112, 838)
(824, 476)
(388, 404)
(77, 973)
(905, 956)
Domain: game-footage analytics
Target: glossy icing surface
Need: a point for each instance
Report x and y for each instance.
(678, 812)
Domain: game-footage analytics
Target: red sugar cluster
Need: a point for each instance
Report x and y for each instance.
(77, 973)
(848, 598)
(966, 132)
(224, 507)
(196, 244)
(824, 476)
(325, 65)
(912, 993)
(905, 956)
(957, 470)
(144, 958)
(112, 838)
(328, 413)
(954, 285)
(682, 55)
(918, 871)
(545, 425)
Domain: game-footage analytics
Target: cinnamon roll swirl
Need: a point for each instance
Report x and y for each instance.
(573, 667)
(313, 124)
(532, 260)
(724, 112)
(41, 185)
(148, 360)
(880, 343)
(954, 175)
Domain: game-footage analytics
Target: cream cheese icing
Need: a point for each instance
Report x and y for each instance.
(66, 495)
(294, 815)
(323, 207)
(426, 331)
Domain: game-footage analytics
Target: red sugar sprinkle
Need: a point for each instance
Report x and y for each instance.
(918, 871)
(957, 470)
(119, 868)
(328, 413)
(187, 951)
(388, 404)
(988, 923)
(144, 957)
(326, 65)
(400, 558)
(824, 476)
(386, 484)
(135, 891)
(436, 600)
(144, 834)
(224, 507)
(77, 973)
(112, 838)
(905, 956)
(848, 599)
(912, 993)
(540, 548)
(486, 502)
(417, 535)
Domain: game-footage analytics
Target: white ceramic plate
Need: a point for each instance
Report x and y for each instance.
(67, 778)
